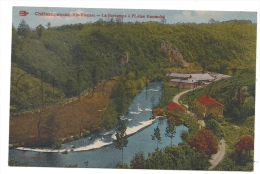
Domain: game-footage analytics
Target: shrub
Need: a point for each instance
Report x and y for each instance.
(86, 133)
(184, 135)
(57, 144)
(122, 166)
(157, 112)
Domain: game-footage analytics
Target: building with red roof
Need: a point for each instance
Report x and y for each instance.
(175, 107)
(212, 106)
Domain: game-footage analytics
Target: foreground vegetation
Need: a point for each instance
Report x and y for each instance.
(171, 158)
(235, 160)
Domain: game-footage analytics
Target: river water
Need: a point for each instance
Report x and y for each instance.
(98, 150)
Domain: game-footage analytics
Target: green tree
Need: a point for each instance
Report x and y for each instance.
(94, 76)
(248, 108)
(122, 166)
(197, 108)
(138, 162)
(121, 139)
(184, 135)
(156, 136)
(48, 25)
(213, 126)
(23, 28)
(39, 30)
(170, 129)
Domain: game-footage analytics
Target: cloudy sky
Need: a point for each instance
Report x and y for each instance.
(172, 16)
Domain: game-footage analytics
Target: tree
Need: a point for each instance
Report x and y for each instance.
(197, 108)
(175, 158)
(156, 135)
(121, 139)
(138, 162)
(184, 135)
(212, 21)
(248, 108)
(170, 129)
(23, 28)
(40, 30)
(204, 141)
(213, 126)
(94, 76)
(48, 25)
(120, 98)
(246, 143)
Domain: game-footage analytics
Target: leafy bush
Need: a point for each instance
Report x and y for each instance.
(86, 133)
(57, 144)
(122, 166)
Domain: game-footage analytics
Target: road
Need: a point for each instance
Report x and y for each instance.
(216, 158)
(176, 97)
(176, 100)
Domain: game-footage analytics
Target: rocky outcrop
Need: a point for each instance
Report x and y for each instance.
(123, 58)
(173, 53)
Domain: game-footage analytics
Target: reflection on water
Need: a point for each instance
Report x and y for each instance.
(139, 126)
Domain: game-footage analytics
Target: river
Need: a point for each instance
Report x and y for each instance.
(98, 150)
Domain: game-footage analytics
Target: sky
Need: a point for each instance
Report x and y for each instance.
(132, 15)
(199, 11)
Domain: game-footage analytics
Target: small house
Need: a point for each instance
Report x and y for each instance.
(212, 106)
(175, 108)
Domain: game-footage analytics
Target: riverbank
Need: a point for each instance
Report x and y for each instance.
(45, 126)
(98, 143)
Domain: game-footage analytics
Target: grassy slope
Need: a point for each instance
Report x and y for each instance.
(26, 90)
(62, 120)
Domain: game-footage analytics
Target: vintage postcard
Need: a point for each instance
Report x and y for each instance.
(132, 89)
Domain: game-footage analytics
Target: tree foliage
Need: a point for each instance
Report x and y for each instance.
(23, 28)
(182, 157)
(121, 138)
(138, 161)
(246, 143)
(204, 141)
(170, 128)
(197, 108)
(156, 135)
(213, 125)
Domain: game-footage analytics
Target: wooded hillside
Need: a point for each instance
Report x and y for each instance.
(74, 58)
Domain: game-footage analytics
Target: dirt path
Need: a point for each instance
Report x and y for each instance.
(216, 158)
(176, 100)
(176, 97)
